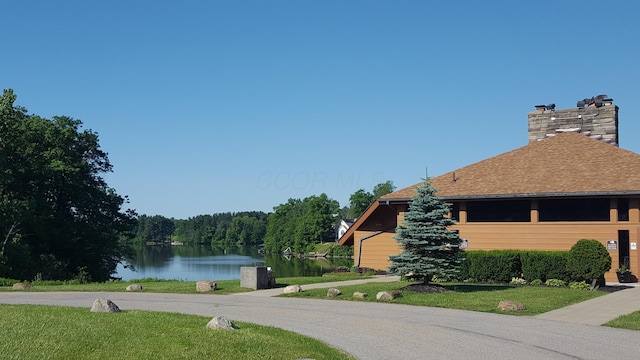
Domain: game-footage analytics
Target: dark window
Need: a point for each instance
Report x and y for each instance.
(573, 210)
(623, 209)
(499, 211)
(455, 211)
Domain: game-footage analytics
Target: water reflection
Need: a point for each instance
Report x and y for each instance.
(193, 263)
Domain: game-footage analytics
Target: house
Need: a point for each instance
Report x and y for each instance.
(343, 226)
(570, 182)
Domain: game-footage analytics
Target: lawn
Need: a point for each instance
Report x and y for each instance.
(52, 332)
(630, 321)
(474, 297)
(174, 286)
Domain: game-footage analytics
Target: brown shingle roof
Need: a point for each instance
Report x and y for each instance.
(566, 163)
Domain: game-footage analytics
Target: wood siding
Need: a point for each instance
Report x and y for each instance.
(534, 235)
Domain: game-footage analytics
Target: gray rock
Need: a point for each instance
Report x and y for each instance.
(360, 295)
(221, 322)
(134, 287)
(204, 286)
(388, 295)
(510, 306)
(333, 292)
(292, 289)
(21, 286)
(104, 305)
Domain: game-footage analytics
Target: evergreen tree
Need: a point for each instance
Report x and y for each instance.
(429, 247)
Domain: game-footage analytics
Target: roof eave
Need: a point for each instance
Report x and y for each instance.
(525, 195)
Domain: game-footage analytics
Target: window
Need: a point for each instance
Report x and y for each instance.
(499, 211)
(623, 209)
(455, 211)
(573, 209)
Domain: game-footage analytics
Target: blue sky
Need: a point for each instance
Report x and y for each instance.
(211, 106)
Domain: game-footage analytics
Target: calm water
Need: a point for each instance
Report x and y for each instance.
(195, 263)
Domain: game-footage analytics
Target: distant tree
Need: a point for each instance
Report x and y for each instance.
(154, 228)
(298, 224)
(429, 247)
(361, 199)
(383, 189)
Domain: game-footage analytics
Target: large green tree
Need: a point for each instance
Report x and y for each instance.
(299, 224)
(429, 247)
(58, 217)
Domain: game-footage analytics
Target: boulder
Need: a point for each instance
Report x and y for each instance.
(104, 305)
(333, 292)
(510, 306)
(292, 289)
(204, 286)
(221, 322)
(360, 295)
(388, 295)
(134, 287)
(21, 286)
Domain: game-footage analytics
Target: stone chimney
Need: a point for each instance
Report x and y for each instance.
(596, 117)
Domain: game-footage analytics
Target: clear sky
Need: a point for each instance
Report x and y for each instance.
(216, 106)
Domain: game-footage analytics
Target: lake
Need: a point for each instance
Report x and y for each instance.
(194, 263)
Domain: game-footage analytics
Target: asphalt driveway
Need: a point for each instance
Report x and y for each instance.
(380, 330)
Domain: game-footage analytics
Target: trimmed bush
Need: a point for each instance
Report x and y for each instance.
(495, 266)
(545, 265)
(537, 282)
(588, 260)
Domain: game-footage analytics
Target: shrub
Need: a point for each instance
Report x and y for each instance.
(579, 285)
(555, 282)
(588, 260)
(491, 266)
(545, 265)
(536, 282)
(518, 281)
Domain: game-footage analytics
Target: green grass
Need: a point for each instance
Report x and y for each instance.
(474, 297)
(52, 332)
(630, 321)
(176, 286)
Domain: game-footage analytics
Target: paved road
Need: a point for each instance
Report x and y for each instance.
(380, 330)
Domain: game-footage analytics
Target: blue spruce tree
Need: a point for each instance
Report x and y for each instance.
(429, 247)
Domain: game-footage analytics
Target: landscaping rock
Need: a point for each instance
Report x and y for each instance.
(104, 305)
(134, 287)
(360, 295)
(21, 286)
(333, 292)
(221, 322)
(510, 306)
(292, 289)
(388, 295)
(204, 286)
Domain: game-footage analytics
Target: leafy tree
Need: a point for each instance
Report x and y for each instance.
(361, 199)
(58, 217)
(429, 247)
(383, 189)
(298, 224)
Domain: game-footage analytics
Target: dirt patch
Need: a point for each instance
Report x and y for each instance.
(425, 288)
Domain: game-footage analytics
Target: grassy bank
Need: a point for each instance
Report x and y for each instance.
(51, 332)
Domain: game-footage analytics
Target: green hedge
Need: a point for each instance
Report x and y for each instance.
(544, 265)
(497, 266)
(500, 266)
